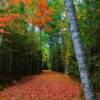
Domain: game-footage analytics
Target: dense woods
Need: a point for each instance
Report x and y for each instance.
(57, 35)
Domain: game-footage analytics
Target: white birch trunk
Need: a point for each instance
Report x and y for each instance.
(84, 75)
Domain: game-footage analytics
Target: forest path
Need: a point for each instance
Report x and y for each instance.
(45, 86)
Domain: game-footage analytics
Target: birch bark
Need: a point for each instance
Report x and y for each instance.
(84, 75)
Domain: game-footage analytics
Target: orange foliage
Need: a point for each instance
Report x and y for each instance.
(38, 21)
(48, 18)
(38, 14)
(5, 21)
(43, 5)
(14, 2)
(27, 1)
(2, 25)
(43, 15)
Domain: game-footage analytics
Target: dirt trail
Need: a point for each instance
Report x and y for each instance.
(45, 86)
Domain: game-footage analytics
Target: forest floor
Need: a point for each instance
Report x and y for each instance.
(45, 86)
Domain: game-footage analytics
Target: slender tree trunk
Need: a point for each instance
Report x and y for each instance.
(1, 38)
(52, 49)
(10, 66)
(60, 42)
(60, 52)
(84, 75)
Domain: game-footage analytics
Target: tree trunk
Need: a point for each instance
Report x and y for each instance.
(10, 66)
(60, 52)
(1, 38)
(84, 74)
(60, 42)
(51, 49)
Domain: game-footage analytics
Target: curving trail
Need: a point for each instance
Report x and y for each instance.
(45, 86)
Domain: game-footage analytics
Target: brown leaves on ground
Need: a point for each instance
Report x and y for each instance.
(46, 86)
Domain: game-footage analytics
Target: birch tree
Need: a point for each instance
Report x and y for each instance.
(84, 74)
